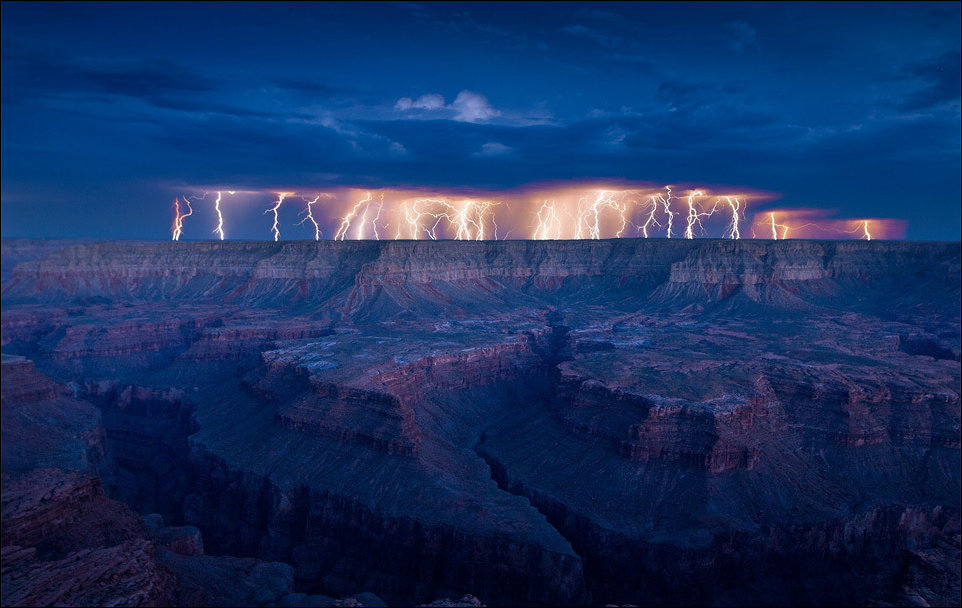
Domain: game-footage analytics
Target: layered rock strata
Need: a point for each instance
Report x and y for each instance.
(646, 422)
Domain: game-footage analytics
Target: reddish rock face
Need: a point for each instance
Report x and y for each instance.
(645, 422)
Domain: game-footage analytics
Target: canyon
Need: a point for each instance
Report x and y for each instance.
(648, 422)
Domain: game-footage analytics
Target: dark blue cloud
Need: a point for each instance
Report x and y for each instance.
(859, 106)
(31, 75)
(939, 79)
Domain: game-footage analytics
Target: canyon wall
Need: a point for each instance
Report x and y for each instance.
(571, 422)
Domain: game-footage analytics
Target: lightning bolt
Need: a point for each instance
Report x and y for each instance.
(309, 216)
(175, 227)
(589, 215)
(421, 217)
(341, 233)
(468, 222)
(651, 220)
(622, 210)
(549, 224)
(736, 206)
(471, 219)
(277, 205)
(475, 213)
(219, 230)
(411, 217)
(694, 216)
(363, 222)
(360, 225)
(178, 226)
(775, 228)
(666, 205)
(862, 227)
(432, 230)
(380, 208)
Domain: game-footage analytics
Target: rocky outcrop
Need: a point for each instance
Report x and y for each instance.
(65, 542)
(124, 574)
(60, 512)
(22, 385)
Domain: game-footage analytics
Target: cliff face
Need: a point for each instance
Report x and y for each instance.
(65, 542)
(558, 422)
(326, 273)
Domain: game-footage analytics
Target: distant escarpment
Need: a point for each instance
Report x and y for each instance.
(560, 423)
(423, 277)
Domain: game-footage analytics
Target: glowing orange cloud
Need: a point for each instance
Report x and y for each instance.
(808, 223)
(558, 210)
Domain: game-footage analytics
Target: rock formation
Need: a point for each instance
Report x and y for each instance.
(572, 422)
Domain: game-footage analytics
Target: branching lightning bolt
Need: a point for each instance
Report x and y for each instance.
(420, 224)
(277, 205)
(380, 208)
(651, 220)
(341, 233)
(178, 227)
(666, 205)
(549, 224)
(775, 228)
(861, 227)
(473, 216)
(736, 207)
(423, 217)
(467, 222)
(309, 216)
(694, 216)
(589, 215)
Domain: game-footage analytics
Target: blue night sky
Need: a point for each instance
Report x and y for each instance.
(110, 110)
